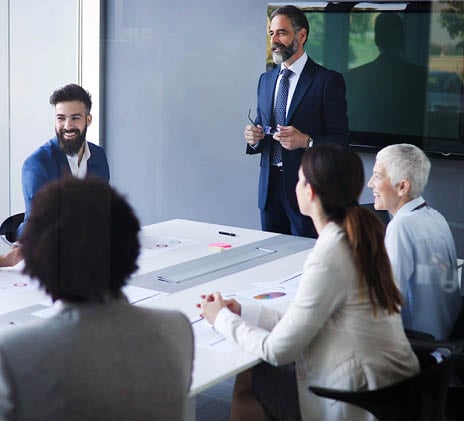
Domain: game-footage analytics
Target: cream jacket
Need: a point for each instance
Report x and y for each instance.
(329, 330)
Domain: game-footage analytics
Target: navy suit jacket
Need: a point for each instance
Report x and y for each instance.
(48, 163)
(318, 108)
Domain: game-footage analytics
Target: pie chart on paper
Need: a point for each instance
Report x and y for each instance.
(270, 295)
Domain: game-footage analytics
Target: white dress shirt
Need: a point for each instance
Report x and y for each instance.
(79, 170)
(296, 67)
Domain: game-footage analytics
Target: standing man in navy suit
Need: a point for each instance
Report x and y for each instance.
(315, 113)
(68, 153)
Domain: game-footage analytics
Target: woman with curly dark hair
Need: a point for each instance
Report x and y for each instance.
(99, 358)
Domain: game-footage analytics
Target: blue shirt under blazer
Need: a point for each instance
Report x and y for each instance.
(49, 163)
(318, 108)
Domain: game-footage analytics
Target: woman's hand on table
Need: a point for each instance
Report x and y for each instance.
(211, 305)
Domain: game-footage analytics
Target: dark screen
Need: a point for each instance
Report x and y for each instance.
(403, 65)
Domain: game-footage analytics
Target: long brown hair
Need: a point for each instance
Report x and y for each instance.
(336, 175)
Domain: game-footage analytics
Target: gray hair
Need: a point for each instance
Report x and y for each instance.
(406, 161)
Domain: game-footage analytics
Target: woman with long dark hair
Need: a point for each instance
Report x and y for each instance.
(343, 329)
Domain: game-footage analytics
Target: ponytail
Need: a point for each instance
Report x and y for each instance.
(365, 235)
(336, 175)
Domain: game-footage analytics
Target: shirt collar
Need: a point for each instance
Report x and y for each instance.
(409, 206)
(298, 65)
(81, 169)
(85, 156)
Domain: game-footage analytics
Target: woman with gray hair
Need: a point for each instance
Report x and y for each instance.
(418, 240)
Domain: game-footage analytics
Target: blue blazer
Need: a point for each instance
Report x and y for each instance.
(318, 108)
(48, 163)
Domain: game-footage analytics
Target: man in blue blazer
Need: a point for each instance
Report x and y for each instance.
(315, 113)
(68, 153)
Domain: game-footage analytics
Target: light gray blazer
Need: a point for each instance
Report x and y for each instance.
(110, 361)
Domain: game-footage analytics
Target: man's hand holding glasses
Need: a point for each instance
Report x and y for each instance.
(254, 133)
(289, 137)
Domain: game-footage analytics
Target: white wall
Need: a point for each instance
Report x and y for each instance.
(38, 53)
(180, 78)
(89, 64)
(4, 112)
(43, 56)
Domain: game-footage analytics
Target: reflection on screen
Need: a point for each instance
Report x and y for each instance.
(403, 65)
(387, 94)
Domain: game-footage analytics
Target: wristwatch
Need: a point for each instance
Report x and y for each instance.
(310, 143)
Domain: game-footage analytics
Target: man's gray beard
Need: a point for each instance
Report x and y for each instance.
(279, 58)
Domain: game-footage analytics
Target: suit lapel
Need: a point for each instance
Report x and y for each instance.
(304, 82)
(268, 103)
(60, 158)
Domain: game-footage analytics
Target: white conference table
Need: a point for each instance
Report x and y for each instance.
(168, 244)
(215, 364)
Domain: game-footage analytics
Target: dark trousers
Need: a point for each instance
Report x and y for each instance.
(276, 389)
(279, 216)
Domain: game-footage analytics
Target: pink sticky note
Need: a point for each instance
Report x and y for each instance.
(220, 245)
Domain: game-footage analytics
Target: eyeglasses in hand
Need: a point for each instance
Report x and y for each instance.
(267, 130)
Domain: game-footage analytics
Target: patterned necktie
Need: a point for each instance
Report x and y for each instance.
(280, 112)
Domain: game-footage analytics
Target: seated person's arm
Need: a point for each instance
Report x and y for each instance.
(11, 258)
(33, 178)
(400, 252)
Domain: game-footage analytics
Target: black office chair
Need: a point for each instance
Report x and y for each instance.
(9, 227)
(458, 328)
(420, 397)
(454, 405)
(423, 341)
(419, 335)
(382, 215)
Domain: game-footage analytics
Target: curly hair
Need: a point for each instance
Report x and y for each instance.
(81, 240)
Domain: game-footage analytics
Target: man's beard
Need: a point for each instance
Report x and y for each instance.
(286, 53)
(71, 146)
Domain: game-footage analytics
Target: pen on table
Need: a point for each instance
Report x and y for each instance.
(290, 278)
(266, 250)
(217, 341)
(227, 233)
(197, 320)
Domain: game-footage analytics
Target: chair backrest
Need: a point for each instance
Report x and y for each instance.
(421, 397)
(382, 215)
(457, 333)
(419, 335)
(9, 227)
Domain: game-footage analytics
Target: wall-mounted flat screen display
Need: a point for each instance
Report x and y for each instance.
(403, 64)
